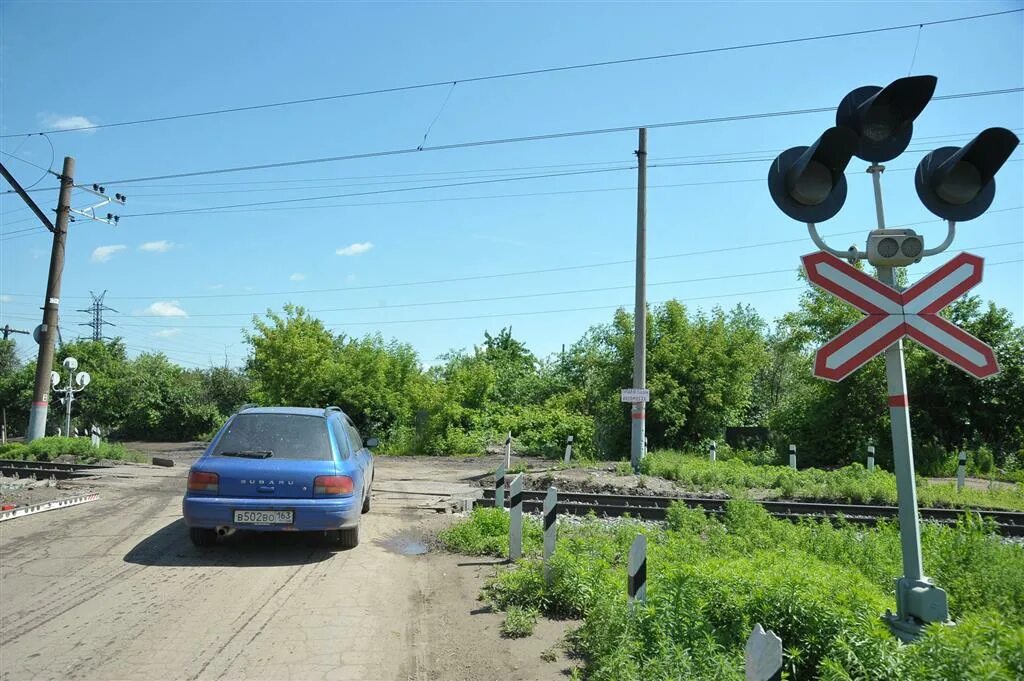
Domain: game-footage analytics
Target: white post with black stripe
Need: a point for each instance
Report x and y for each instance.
(508, 450)
(515, 525)
(713, 452)
(637, 569)
(792, 457)
(871, 458)
(499, 487)
(763, 655)
(568, 449)
(961, 471)
(550, 530)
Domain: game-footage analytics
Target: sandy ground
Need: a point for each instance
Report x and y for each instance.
(113, 589)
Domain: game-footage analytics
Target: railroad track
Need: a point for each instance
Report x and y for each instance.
(1010, 523)
(42, 470)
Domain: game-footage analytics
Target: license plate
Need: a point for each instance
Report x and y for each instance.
(264, 517)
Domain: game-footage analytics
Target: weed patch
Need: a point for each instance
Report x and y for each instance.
(821, 587)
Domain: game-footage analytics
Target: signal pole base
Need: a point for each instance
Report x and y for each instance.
(918, 603)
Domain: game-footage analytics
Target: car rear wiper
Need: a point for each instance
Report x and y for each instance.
(251, 454)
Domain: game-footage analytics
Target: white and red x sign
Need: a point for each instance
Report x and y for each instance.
(892, 314)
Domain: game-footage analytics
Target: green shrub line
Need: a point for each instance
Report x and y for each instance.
(50, 448)
(849, 484)
(821, 587)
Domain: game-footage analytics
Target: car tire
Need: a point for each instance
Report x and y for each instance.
(366, 502)
(202, 536)
(347, 538)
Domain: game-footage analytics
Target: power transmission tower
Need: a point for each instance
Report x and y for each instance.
(96, 311)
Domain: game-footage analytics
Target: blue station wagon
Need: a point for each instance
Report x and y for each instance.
(274, 469)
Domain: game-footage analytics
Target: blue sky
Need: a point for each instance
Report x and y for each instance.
(186, 284)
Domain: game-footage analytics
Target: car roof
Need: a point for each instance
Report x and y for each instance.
(296, 411)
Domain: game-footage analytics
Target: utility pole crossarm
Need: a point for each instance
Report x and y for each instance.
(28, 199)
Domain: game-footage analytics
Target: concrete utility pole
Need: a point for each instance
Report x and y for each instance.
(639, 409)
(47, 333)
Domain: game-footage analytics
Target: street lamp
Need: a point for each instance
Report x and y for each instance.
(81, 379)
(953, 183)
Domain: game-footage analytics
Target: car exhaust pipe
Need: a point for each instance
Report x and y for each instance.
(225, 531)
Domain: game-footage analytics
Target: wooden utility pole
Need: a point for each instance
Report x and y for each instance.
(48, 331)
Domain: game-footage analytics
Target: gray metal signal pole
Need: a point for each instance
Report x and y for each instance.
(914, 593)
(638, 411)
(44, 362)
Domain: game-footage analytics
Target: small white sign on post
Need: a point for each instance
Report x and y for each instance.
(568, 449)
(763, 655)
(636, 395)
(636, 575)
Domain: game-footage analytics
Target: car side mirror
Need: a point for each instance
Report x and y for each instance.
(372, 442)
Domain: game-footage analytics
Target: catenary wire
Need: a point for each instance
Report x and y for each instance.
(530, 72)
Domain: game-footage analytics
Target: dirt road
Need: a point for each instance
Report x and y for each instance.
(114, 590)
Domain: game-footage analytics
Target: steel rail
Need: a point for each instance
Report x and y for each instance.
(1009, 523)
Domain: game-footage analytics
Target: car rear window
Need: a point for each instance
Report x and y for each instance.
(286, 436)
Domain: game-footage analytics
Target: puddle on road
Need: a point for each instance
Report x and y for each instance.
(404, 545)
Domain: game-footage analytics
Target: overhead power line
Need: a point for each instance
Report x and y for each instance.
(515, 314)
(519, 74)
(484, 173)
(526, 138)
(500, 275)
(541, 294)
(560, 310)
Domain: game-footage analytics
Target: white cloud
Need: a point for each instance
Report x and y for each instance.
(165, 308)
(104, 253)
(166, 333)
(66, 122)
(6, 298)
(161, 246)
(355, 249)
(298, 276)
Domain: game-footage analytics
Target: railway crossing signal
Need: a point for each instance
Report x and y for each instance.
(806, 184)
(893, 314)
(958, 183)
(883, 118)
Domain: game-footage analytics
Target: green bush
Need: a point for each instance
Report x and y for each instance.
(820, 587)
(543, 429)
(519, 622)
(50, 448)
(487, 532)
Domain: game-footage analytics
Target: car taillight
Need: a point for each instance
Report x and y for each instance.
(333, 484)
(201, 481)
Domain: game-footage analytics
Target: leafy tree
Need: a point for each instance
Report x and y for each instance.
(290, 360)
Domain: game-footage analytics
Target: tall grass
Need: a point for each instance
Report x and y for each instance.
(821, 587)
(850, 484)
(49, 448)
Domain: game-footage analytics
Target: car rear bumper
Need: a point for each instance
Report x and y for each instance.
(309, 514)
